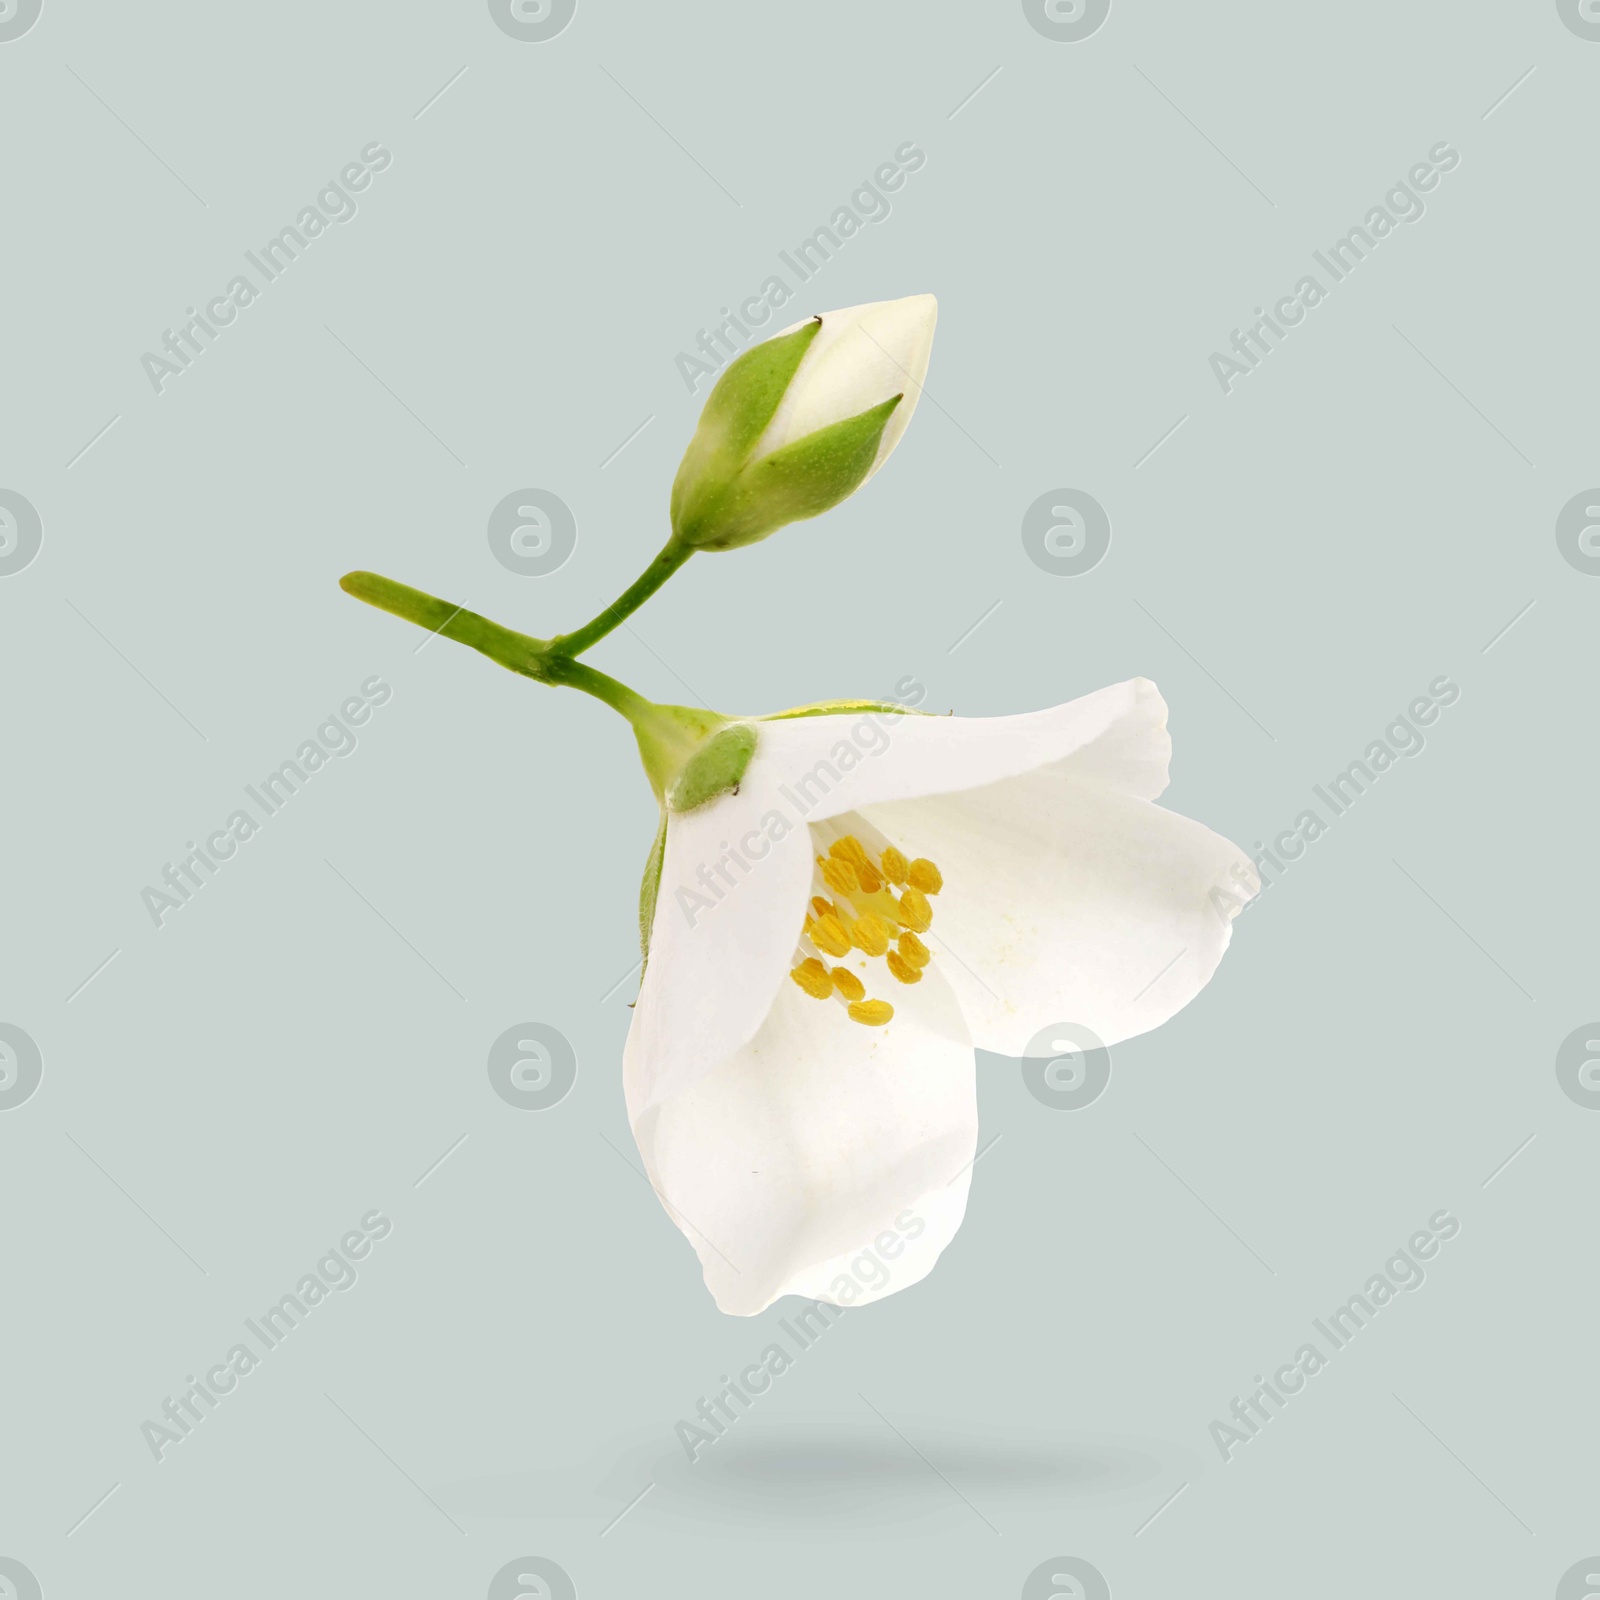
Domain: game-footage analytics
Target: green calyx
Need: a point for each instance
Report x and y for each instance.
(650, 886)
(721, 499)
(843, 708)
(801, 480)
(691, 756)
(690, 764)
(715, 769)
(735, 416)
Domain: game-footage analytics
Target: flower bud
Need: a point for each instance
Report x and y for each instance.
(801, 421)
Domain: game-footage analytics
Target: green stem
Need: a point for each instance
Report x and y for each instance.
(616, 694)
(673, 555)
(517, 652)
(667, 735)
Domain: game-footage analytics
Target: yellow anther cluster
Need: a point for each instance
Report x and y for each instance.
(848, 984)
(839, 876)
(902, 969)
(828, 934)
(867, 916)
(850, 849)
(872, 1012)
(813, 977)
(915, 912)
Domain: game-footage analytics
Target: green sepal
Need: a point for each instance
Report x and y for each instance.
(843, 708)
(668, 737)
(803, 479)
(650, 888)
(736, 414)
(714, 769)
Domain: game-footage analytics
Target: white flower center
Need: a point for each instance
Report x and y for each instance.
(860, 910)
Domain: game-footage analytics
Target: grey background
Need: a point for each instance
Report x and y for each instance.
(308, 1037)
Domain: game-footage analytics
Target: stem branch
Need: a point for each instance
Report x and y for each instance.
(517, 652)
(673, 555)
(616, 694)
(667, 735)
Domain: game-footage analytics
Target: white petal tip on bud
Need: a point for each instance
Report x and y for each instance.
(862, 356)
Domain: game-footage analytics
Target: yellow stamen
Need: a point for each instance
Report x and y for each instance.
(849, 849)
(813, 977)
(839, 876)
(871, 934)
(874, 1013)
(915, 911)
(865, 914)
(848, 984)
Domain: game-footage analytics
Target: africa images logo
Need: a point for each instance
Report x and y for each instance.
(335, 202)
(336, 1273)
(336, 737)
(1403, 1272)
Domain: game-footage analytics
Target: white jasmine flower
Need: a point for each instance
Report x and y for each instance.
(833, 934)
